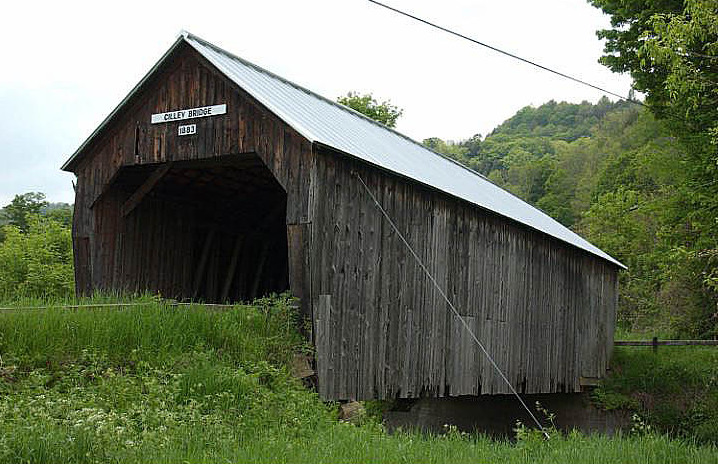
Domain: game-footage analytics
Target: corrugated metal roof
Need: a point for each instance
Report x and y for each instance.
(323, 121)
(336, 126)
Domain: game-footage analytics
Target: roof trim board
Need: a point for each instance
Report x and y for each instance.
(68, 164)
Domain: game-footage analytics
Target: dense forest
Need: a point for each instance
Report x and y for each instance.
(614, 174)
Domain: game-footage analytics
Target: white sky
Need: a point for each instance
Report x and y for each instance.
(68, 64)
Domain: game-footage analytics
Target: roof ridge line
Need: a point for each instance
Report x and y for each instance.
(316, 95)
(566, 235)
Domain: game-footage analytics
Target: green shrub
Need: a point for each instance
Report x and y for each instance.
(37, 263)
(674, 389)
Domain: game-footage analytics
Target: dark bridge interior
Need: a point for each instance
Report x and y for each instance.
(232, 213)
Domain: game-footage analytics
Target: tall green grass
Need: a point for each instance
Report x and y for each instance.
(158, 383)
(150, 330)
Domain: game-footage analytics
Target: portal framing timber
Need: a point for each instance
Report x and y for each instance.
(145, 188)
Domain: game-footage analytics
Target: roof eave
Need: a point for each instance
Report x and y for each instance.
(608, 258)
(70, 163)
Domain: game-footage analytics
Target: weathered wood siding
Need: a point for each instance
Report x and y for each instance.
(130, 140)
(543, 309)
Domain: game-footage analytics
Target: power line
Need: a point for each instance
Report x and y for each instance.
(658, 111)
(503, 52)
(112, 305)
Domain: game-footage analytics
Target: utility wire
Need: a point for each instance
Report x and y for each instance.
(503, 52)
(666, 113)
(451, 305)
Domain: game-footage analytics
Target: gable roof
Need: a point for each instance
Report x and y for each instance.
(325, 122)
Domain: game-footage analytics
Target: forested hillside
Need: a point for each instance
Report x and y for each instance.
(610, 171)
(613, 173)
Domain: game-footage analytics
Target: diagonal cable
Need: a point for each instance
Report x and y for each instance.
(451, 305)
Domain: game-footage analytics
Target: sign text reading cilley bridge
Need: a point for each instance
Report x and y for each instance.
(179, 115)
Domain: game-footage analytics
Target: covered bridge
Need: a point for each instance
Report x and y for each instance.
(217, 180)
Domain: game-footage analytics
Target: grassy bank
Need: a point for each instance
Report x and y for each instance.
(155, 383)
(674, 390)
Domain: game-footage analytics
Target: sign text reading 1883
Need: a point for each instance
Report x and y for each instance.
(179, 115)
(189, 129)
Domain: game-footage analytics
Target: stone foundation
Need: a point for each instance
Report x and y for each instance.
(496, 415)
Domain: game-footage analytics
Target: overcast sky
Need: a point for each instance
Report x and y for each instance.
(69, 63)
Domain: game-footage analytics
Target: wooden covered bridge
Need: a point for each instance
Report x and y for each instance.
(217, 180)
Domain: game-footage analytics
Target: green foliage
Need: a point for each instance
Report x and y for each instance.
(455, 151)
(36, 249)
(557, 121)
(685, 46)
(631, 21)
(59, 212)
(385, 112)
(36, 262)
(671, 50)
(22, 208)
(690, 291)
(527, 154)
(192, 384)
(675, 390)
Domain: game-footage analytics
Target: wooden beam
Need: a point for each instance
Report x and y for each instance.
(241, 160)
(297, 234)
(105, 188)
(232, 268)
(260, 269)
(203, 262)
(145, 188)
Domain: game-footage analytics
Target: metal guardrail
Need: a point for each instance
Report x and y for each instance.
(655, 343)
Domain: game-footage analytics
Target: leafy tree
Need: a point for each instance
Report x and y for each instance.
(36, 249)
(385, 112)
(450, 149)
(37, 262)
(60, 212)
(22, 207)
(557, 121)
(631, 22)
(670, 47)
(685, 46)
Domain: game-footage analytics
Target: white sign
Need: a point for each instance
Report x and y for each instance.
(189, 129)
(179, 115)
